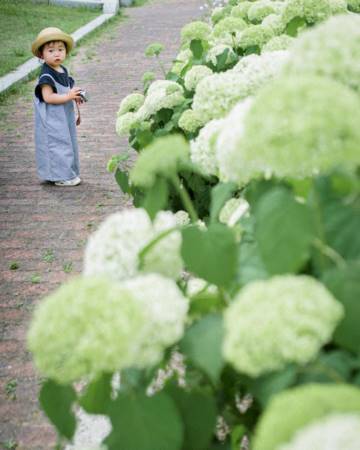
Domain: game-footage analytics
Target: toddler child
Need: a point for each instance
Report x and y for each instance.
(57, 156)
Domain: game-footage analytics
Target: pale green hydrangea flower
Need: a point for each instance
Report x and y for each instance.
(131, 103)
(354, 5)
(217, 94)
(228, 25)
(190, 121)
(335, 432)
(195, 30)
(259, 10)
(255, 35)
(181, 61)
(275, 23)
(241, 10)
(182, 218)
(126, 122)
(195, 75)
(277, 43)
(294, 316)
(233, 210)
(113, 249)
(217, 50)
(312, 10)
(154, 49)
(331, 49)
(161, 94)
(338, 6)
(299, 126)
(165, 309)
(228, 145)
(260, 69)
(86, 327)
(202, 149)
(196, 285)
(219, 13)
(164, 157)
(303, 406)
(164, 257)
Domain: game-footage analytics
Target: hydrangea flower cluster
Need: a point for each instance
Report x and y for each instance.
(312, 10)
(294, 316)
(202, 149)
(335, 432)
(161, 94)
(278, 43)
(195, 30)
(228, 25)
(163, 157)
(256, 35)
(296, 127)
(195, 75)
(303, 405)
(331, 49)
(261, 9)
(113, 250)
(181, 60)
(218, 14)
(217, 50)
(126, 122)
(241, 10)
(131, 103)
(228, 145)
(190, 121)
(86, 327)
(260, 69)
(165, 309)
(275, 23)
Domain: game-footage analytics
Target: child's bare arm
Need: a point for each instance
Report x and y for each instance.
(51, 97)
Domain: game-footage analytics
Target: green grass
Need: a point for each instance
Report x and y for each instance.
(21, 21)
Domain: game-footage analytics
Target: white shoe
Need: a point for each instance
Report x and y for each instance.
(74, 182)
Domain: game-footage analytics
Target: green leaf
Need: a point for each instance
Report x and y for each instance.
(205, 303)
(146, 423)
(294, 26)
(197, 48)
(345, 285)
(202, 344)
(251, 266)
(219, 195)
(236, 436)
(156, 197)
(253, 49)
(284, 231)
(198, 412)
(265, 386)
(211, 254)
(97, 396)
(56, 400)
(122, 179)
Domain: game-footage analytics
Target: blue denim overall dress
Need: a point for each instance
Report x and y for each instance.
(57, 155)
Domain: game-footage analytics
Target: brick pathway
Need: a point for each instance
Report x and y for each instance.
(39, 219)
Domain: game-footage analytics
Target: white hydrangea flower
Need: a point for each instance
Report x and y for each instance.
(113, 250)
(331, 49)
(165, 257)
(202, 149)
(131, 103)
(125, 122)
(333, 432)
(259, 69)
(165, 309)
(217, 50)
(233, 210)
(190, 121)
(260, 9)
(241, 10)
(161, 94)
(182, 218)
(278, 43)
(228, 145)
(275, 22)
(312, 10)
(195, 75)
(181, 60)
(294, 316)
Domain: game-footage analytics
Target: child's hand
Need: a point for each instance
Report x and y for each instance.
(74, 93)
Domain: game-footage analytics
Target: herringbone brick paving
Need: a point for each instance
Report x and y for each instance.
(40, 222)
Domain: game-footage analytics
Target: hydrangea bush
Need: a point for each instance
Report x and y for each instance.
(228, 296)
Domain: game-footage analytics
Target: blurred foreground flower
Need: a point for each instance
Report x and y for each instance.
(285, 319)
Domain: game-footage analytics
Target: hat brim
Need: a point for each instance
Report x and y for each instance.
(39, 42)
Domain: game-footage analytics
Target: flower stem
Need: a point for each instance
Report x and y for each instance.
(161, 66)
(185, 198)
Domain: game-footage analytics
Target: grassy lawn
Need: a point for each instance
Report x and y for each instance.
(21, 21)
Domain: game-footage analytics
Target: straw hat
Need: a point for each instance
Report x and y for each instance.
(48, 35)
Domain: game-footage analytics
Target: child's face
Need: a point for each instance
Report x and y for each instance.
(54, 53)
